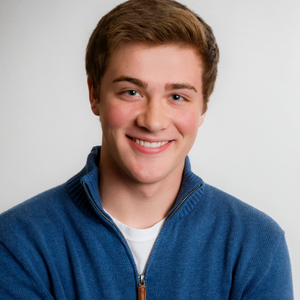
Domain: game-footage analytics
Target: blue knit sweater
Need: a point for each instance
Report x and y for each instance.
(62, 245)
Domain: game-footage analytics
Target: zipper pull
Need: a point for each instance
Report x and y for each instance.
(142, 288)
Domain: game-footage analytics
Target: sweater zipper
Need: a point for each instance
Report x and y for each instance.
(141, 277)
(142, 286)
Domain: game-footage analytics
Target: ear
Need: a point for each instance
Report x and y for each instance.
(202, 117)
(93, 98)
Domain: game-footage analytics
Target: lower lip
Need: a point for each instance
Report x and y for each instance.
(149, 150)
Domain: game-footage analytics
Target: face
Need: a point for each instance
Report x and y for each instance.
(150, 107)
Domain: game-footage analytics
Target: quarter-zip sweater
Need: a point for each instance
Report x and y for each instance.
(62, 245)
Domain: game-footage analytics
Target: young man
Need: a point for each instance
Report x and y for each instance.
(136, 218)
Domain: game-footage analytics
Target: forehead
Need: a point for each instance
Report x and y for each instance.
(161, 62)
(132, 47)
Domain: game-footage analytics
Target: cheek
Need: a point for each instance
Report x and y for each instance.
(188, 123)
(115, 116)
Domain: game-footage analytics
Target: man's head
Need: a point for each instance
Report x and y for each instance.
(152, 22)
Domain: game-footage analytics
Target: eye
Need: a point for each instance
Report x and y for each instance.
(177, 97)
(132, 93)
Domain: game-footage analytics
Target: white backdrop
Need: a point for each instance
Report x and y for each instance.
(248, 146)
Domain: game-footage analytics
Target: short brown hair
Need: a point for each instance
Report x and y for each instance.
(153, 22)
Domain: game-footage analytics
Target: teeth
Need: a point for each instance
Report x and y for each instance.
(150, 145)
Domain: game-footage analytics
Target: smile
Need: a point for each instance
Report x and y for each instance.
(148, 144)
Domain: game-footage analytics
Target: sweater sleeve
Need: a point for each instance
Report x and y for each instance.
(16, 281)
(276, 281)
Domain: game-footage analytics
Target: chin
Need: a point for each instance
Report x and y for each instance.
(145, 177)
(152, 174)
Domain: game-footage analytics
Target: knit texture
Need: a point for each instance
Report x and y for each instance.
(62, 245)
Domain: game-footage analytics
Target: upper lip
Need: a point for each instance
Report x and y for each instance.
(151, 140)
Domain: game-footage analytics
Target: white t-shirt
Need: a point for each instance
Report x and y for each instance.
(140, 241)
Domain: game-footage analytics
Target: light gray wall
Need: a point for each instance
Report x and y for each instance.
(248, 146)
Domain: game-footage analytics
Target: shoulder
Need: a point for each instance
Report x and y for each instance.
(35, 214)
(211, 206)
(250, 241)
(250, 237)
(234, 224)
(228, 208)
(30, 233)
(41, 201)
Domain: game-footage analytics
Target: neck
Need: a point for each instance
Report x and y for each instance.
(136, 204)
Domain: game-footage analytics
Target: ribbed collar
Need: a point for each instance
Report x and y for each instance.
(89, 175)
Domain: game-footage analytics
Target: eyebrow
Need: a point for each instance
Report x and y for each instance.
(135, 81)
(179, 86)
(168, 87)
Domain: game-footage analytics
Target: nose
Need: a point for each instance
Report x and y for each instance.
(154, 116)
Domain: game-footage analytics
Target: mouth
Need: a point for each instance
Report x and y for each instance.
(148, 144)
